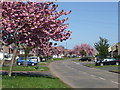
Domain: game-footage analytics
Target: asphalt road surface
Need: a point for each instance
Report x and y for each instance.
(78, 76)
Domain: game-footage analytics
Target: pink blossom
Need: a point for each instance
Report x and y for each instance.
(34, 25)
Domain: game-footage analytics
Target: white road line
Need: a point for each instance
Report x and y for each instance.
(74, 69)
(87, 73)
(102, 78)
(76, 63)
(84, 72)
(115, 82)
(93, 75)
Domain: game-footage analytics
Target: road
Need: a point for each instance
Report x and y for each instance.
(78, 76)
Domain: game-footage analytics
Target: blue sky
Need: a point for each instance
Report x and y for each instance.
(89, 21)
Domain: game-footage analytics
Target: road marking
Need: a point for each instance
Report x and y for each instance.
(102, 78)
(74, 69)
(74, 62)
(77, 63)
(93, 75)
(84, 72)
(88, 73)
(115, 82)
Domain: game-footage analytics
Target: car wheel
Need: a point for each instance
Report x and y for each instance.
(33, 64)
(117, 63)
(101, 64)
(19, 63)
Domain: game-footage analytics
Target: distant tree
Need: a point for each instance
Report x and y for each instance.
(83, 50)
(70, 52)
(102, 47)
(83, 53)
(57, 50)
(62, 46)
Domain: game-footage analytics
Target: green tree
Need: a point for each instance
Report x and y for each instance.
(102, 47)
(83, 53)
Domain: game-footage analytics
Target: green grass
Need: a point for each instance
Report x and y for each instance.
(57, 59)
(52, 60)
(41, 67)
(93, 65)
(116, 70)
(26, 68)
(31, 82)
(42, 63)
(77, 60)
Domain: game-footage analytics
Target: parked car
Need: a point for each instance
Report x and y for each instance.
(21, 61)
(1, 56)
(85, 59)
(108, 61)
(42, 59)
(7, 56)
(74, 56)
(34, 58)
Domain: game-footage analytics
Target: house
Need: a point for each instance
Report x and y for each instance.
(58, 52)
(114, 50)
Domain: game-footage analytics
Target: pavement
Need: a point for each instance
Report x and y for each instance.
(79, 76)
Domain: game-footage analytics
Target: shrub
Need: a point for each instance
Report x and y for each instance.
(117, 56)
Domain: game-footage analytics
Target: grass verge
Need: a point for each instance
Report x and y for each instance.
(57, 59)
(52, 60)
(26, 68)
(116, 71)
(31, 82)
(93, 65)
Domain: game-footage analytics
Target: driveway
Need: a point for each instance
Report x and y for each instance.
(78, 76)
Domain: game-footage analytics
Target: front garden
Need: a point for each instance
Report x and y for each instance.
(23, 76)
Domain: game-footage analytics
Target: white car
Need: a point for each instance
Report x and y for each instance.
(108, 59)
(1, 56)
(34, 58)
(8, 56)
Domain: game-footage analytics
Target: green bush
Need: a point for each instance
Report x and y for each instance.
(117, 56)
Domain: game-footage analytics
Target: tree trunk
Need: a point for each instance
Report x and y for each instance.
(12, 61)
(25, 63)
(2, 61)
(26, 56)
